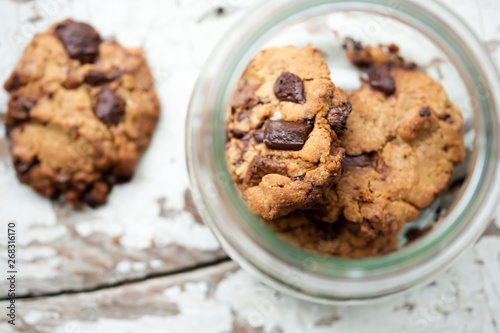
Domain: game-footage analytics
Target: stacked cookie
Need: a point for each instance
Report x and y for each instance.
(283, 148)
(334, 173)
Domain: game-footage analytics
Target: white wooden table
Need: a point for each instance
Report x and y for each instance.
(150, 265)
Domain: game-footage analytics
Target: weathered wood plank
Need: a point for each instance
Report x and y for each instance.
(223, 298)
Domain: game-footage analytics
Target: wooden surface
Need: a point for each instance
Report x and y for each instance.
(149, 227)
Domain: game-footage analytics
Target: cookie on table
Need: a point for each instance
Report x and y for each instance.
(282, 131)
(403, 138)
(81, 113)
(330, 239)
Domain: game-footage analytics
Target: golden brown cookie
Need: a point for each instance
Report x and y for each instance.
(403, 138)
(283, 125)
(81, 113)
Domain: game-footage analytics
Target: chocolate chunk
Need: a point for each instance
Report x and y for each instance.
(241, 116)
(23, 168)
(289, 87)
(96, 78)
(371, 160)
(425, 112)
(337, 117)
(110, 108)
(252, 103)
(380, 80)
(361, 161)
(448, 119)
(362, 229)
(9, 129)
(328, 231)
(351, 44)
(259, 136)
(96, 195)
(112, 179)
(80, 40)
(13, 83)
(20, 107)
(414, 233)
(238, 134)
(361, 61)
(286, 135)
(259, 167)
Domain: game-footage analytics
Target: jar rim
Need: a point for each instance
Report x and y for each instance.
(210, 179)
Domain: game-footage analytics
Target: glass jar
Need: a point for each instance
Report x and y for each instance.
(470, 79)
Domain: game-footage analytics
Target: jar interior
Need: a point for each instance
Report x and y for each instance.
(324, 25)
(328, 32)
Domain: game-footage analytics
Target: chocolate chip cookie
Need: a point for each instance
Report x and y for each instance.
(403, 138)
(282, 131)
(81, 113)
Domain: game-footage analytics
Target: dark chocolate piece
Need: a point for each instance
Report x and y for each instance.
(9, 129)
(289, 87)
(238, 134)
(414, 233)
(351, 44)
(286, 135)
(259, 167)
(259, 136)
(361, 161)
(13, 83)
(110, 108)
(425, 112)
(97, 78)
(23, 168)
(448, 119)
(241, 116)
(80, 40)
(337, 117)
(20, 107)
(96, 195)
(380, 80)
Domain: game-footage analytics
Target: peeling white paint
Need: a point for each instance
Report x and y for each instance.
(139, 266)
(33, 253)
(34, 317)
(124, 267)
(46, 269)
(217, 299)
(155, 263)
